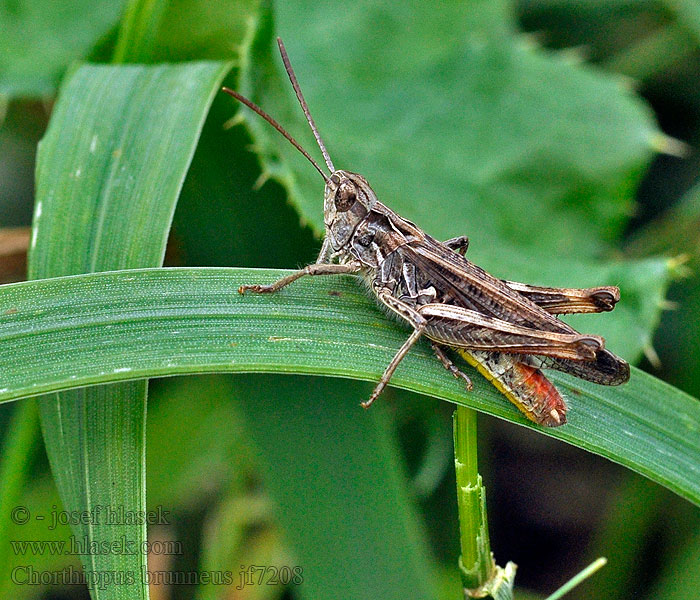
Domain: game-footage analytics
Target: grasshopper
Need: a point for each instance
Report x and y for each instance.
(507, 330)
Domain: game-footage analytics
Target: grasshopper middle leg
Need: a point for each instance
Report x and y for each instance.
(450, 366)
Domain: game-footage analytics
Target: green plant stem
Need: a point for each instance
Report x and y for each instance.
(481, 577)
(476, 562)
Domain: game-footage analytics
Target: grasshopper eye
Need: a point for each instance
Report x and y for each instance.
(345, 196)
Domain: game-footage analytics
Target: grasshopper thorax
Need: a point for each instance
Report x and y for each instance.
(348, 199)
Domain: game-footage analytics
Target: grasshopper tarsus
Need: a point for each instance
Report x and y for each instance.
(257, 289)
(589, 346)
(398, 357)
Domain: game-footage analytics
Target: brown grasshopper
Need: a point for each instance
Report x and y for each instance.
(507, 330)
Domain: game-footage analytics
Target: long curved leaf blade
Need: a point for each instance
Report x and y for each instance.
(109, 172)
(153, 322)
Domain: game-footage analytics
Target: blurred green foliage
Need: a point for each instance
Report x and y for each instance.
(539, 147)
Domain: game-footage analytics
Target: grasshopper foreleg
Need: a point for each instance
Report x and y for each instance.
(313, 269)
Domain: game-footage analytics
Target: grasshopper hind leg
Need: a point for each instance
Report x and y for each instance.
(524, 385)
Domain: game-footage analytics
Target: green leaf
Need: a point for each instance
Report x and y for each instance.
(194, 30)
(674, 232)
(40, 38)
(15, 471)
(336, 475)
(145, 323)
(109, 171)
(679, 579)
(677, 232)
(138, 30)
(112, 163)
(40, 497)
(455, 127)
(634, 512)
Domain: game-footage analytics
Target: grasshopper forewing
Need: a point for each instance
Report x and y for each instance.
(507, 330)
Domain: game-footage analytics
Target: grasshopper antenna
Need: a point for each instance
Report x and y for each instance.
(254, 107)
(304, 106)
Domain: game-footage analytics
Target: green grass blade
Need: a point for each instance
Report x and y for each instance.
(632, 515)
(578, 579)
(15, 459)
(109, 172)
(112, 164)
(679, 579)
(322, 456)
(138, 29)
(76, 331)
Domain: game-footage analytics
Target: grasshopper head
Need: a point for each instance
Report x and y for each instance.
(348, 198)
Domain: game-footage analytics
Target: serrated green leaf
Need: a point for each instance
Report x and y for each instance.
(457, 129)
(145, 323)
